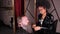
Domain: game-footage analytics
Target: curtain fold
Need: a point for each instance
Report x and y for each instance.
(17, 8)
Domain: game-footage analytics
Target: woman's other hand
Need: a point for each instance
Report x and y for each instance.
(37, 28)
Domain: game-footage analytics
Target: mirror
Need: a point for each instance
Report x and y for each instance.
(27, 11)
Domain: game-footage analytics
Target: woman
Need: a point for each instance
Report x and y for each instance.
(45, 20)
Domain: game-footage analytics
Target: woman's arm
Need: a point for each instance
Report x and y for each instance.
(36, 28)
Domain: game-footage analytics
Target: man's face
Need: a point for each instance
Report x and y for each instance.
(25, 20)
(41, 9)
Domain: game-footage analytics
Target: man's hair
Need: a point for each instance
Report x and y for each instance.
(43, 3)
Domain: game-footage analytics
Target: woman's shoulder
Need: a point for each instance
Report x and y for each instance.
(50, 16)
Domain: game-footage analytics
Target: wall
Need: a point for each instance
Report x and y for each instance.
(5, 12)
(57, 6)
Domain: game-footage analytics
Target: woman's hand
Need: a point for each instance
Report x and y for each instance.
(34, 25)
(37, 28)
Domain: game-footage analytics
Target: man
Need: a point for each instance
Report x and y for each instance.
(23, 23)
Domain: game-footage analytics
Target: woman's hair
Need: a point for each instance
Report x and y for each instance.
(43, 3)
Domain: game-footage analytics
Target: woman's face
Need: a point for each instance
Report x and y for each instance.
(42, 10)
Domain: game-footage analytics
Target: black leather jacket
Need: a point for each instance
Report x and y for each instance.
(47, 23)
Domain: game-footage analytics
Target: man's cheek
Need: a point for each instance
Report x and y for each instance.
(25, 22)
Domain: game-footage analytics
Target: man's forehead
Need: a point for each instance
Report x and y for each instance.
(24, 17)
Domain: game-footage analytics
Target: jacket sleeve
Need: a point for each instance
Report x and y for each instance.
(51, 22)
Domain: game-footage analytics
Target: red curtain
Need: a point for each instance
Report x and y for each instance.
(17, 8)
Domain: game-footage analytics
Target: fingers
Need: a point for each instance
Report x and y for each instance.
(34, 25)
(37, 28)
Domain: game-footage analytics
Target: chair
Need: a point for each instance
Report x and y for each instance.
(54, 26)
